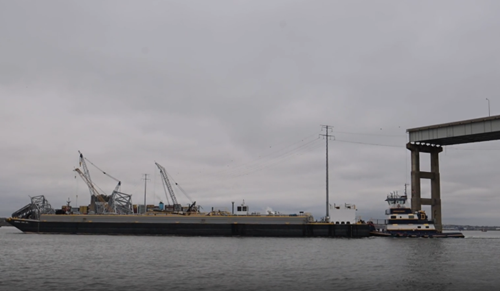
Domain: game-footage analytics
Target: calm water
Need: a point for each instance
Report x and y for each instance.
(86, 262)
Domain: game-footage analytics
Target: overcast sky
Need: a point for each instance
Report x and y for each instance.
(230, 96)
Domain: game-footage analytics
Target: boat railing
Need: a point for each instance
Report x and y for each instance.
(379, 221)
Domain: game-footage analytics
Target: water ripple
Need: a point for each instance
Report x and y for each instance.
(74, 262)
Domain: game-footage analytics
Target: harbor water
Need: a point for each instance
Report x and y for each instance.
(102, 262)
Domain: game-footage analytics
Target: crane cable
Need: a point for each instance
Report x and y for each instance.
(179, 186)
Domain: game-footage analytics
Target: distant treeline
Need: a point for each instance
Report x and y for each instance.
(469, 227)
(3, 222)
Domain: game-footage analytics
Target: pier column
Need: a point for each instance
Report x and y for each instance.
(436, 190)
(416, 175)
(415, 180)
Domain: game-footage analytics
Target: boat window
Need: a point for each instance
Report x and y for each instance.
(419, 227)
(393, 216)
(244, 208)
(411, 216)
(239, 208)
(426, 227)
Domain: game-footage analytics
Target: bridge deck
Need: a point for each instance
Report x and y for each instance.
(466, 131)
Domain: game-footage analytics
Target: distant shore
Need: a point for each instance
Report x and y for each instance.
(3, 222)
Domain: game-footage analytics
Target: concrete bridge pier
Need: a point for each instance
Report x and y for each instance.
(416, 175)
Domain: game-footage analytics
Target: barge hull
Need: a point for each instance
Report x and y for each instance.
(194, 229)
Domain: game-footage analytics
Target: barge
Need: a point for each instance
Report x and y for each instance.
(39, 217)
(115, 214)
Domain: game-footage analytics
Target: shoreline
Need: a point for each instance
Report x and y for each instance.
(3, 222)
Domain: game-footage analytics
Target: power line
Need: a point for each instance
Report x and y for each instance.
(262, 162)
(261, 165)
(263, 159)
(265, 166)
(285, 154)
(372, 134)
(365, 143)
(282, 158)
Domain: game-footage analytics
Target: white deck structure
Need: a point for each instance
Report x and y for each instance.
(343, 214)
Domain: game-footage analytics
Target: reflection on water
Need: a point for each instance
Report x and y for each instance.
(87, 262)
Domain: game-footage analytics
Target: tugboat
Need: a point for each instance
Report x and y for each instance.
(402, 222)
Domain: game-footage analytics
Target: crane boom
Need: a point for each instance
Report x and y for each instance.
(95, 196)
(166, 183)
(98, 202)
(117, 187)
(93, 190)
(82, 162)
(86, 176)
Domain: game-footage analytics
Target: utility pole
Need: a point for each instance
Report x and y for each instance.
(145, 182)
(327, 137)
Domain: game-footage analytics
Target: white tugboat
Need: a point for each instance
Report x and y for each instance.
(402, 222)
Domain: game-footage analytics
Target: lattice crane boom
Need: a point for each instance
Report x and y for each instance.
(82, 163)
(93, 190)
(94, 193)
(86, 176)
(101, 205)
(166, 182)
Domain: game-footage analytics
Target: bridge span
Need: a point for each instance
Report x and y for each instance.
(431, 139)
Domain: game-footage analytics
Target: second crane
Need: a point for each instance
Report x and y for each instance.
(166, 184)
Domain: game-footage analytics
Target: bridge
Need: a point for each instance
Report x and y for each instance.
(431, 139)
